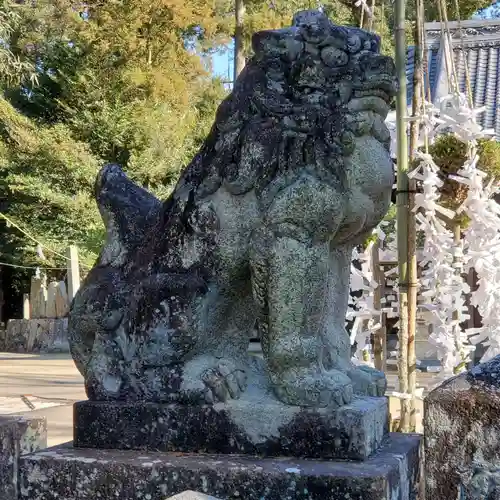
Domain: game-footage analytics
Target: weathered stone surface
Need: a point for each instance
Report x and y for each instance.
(462, 436)
(36, 335)
(192, 495)
(82, 474)
(18, 436)
(2, 337)
(38, 297)
(61, 299)
(353, 431)
(261, 226)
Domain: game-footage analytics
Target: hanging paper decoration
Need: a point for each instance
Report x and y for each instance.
(443, 286)
(444, 260)
(482, 253)
(456, 116)
(361, 307)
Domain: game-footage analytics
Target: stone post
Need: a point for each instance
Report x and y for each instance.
(73, 272)
(26, 306)
(38, 297)
(62, 300)
(50, 310)
(462, 436)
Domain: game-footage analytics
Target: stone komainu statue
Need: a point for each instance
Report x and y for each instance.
(260, 228)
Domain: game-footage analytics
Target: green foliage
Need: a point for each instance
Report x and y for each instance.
(389, 228)
(466, 8)
(489, 160)
(13, 69)
(117, 81)
(46, 177)
(450, 154)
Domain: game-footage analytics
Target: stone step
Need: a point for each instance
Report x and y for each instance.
(88, 474)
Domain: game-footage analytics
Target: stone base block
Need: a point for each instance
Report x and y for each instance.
(353, 432)
(18, 436)
(462, 436)
(88, 474)
(36, 335)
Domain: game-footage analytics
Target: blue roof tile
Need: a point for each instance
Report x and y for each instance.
(476, 46)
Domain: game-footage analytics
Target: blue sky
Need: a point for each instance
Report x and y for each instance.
(222, 63)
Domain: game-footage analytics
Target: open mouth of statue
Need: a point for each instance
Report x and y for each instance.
(383, 86)
(369, 101)
(375, 95)
(373, 92)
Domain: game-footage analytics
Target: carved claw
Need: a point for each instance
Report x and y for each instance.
(224, 382)
(367, 381)
(311, 387)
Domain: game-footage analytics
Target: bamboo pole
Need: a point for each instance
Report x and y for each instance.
(402, 211)
(372, 17)
(418, 77)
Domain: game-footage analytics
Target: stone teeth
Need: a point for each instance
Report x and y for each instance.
(369, 103)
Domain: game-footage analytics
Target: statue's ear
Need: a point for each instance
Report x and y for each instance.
(127, 211)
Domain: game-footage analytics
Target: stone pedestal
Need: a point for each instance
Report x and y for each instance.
(268, 429)
(151, 451)
(18, 436)
(462, 436)
(88, 474)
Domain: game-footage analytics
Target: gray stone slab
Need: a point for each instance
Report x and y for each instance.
(18, 436)
(84, 474)
(462, 436)
(353, 431)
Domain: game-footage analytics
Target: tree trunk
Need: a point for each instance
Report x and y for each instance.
(239, 57)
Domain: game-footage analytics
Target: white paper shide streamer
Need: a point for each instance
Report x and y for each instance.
(361, 309)
(444, 260)
(482, 253)
(443, 288)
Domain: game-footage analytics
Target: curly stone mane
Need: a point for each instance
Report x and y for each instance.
(289, 109)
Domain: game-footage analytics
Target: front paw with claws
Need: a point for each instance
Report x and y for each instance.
(313, 387)
(224, 382)
(210, 379)
(367, 381)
